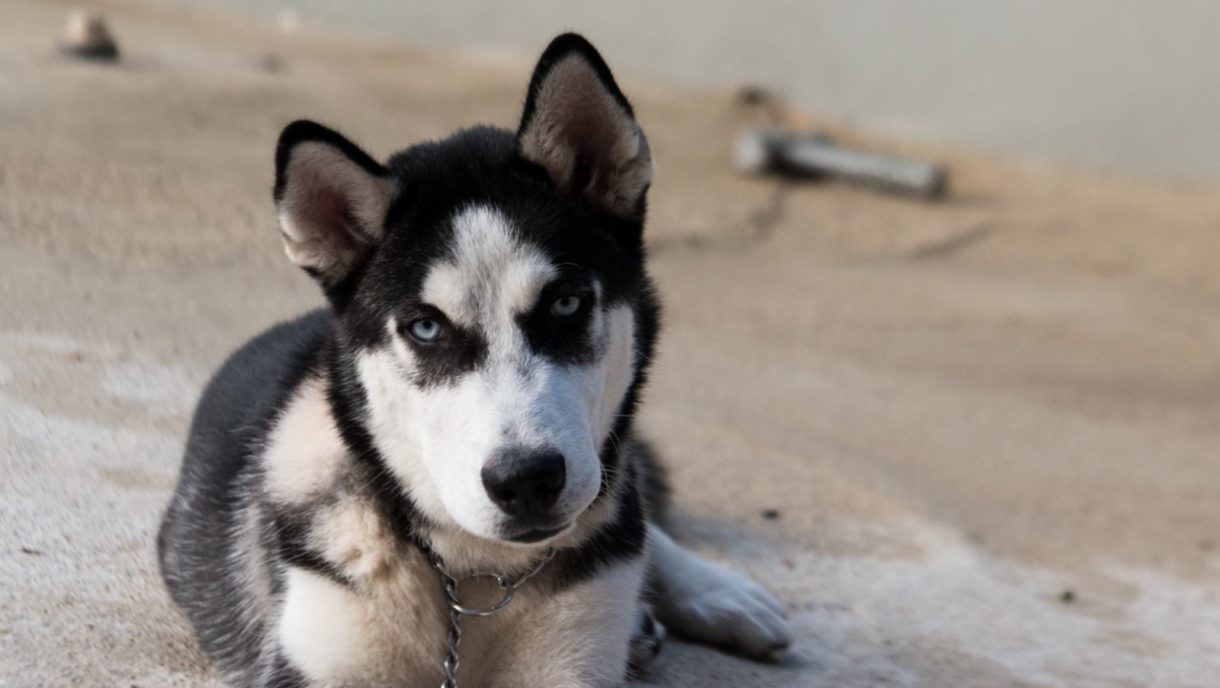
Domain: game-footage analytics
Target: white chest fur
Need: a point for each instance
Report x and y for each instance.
(387, 624)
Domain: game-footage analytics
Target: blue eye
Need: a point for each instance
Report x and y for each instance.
(426, 330)
(565, 306)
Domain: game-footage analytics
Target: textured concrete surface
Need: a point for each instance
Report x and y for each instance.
(960, 412)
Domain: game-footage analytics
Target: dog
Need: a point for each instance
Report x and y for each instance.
(459, 419)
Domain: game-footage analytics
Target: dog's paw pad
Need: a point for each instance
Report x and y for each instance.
(721, 607)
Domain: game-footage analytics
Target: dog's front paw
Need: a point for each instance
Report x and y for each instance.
(718, 606)
(645, 644)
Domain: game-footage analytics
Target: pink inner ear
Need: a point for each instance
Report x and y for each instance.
(326, 216)
(587, 119)
(591, 134)
(331, 209)
(586, 140)
(331, 217)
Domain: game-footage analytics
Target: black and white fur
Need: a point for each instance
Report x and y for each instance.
(471, 390)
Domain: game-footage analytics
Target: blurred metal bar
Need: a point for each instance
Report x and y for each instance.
(761, 152)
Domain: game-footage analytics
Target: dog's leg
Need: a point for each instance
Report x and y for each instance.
(646, 642)
(711, 603)
(279, 673)
(326, 631)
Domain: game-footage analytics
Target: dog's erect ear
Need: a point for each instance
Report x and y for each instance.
(331, 199)
(580, 128)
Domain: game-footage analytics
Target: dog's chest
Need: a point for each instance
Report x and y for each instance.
(392, 629)
(370, 611)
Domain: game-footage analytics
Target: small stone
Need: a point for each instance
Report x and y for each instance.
(270, 62)
(87, 37)
(1067, 596)
(770, 514)
(753, 94)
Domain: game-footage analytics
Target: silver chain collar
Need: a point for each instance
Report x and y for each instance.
(457, 610)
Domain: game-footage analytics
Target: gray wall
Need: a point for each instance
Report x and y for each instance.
(1118, 84)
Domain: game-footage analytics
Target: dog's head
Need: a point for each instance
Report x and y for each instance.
(490, 291)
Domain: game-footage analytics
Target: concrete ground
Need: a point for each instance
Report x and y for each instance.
(984, 432)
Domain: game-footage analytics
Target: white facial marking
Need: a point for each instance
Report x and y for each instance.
(617, 368)
(492, 275)
(437, 439)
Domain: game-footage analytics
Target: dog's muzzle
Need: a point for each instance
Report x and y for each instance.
(526, 484)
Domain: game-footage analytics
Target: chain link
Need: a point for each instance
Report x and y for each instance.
(453, 640)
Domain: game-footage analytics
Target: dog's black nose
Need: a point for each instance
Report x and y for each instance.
(523, 482)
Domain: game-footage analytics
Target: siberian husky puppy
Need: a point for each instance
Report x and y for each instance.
(463, 406)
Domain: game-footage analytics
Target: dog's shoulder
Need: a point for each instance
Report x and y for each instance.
(255, 381)
(327, 513)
